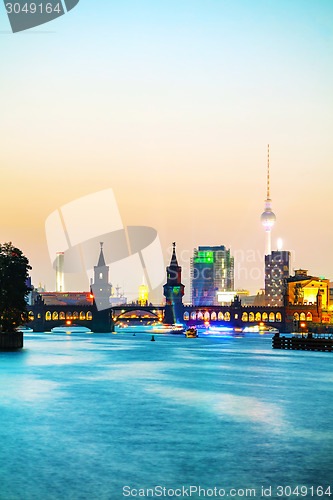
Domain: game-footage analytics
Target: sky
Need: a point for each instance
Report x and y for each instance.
(172, 104)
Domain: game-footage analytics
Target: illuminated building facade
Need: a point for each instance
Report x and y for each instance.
(143, 294)
(306, 290)
(277, 269)
(212, 271)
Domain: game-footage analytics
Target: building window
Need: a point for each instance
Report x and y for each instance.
(69, 315)
(220, 316)
(245, 317)
(296, 316)
(75, 315)
(278, 317)
(213, 316)
(302, 317)
(258, 316)
(55, 316)
(89, 316)
(48, 316)
(186, 316)
(100, 276)
(193, 315)
(309, 317)
(271, 317)
(31, 316)
(207, 316)
(82, 316)
(251, 317)
(227, 316)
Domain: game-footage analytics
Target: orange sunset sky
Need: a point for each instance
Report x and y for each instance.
(172, 104)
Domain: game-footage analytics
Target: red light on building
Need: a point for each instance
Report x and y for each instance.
(68, 322)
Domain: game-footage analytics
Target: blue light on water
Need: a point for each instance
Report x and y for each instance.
(85, 414)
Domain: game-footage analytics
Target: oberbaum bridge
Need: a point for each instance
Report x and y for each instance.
(93, 310)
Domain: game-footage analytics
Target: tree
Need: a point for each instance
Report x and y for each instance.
(14, 273)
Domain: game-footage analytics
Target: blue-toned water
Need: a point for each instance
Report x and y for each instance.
(84, 415)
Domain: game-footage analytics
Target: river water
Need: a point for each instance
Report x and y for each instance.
(82, 416)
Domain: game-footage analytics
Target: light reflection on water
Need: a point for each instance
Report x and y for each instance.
(83, 415)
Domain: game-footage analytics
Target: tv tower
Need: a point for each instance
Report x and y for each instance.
(268, 217)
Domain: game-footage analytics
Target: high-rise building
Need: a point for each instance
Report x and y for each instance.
(268, 217)
(277, 268)
(60, 282)
(212, 271)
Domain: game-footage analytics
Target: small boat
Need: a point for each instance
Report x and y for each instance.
(191, 333)
(70, 329)
(24, 329)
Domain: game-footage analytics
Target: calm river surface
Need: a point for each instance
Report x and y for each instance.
(81, 416)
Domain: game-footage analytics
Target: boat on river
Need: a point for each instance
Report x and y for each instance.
(191, 333)
(70, 329)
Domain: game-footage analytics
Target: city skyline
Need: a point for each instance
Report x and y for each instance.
(177, 125)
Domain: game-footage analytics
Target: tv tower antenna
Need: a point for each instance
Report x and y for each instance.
(268, 217)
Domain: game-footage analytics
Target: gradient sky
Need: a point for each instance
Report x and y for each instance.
(172, 104)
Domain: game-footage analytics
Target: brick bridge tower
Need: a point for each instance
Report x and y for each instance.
(173, 291)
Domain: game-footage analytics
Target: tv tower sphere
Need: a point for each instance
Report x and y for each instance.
(268, 217)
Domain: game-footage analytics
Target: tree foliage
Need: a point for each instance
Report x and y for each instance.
(14, 272)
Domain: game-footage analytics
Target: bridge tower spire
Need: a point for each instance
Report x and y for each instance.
(173, 291)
